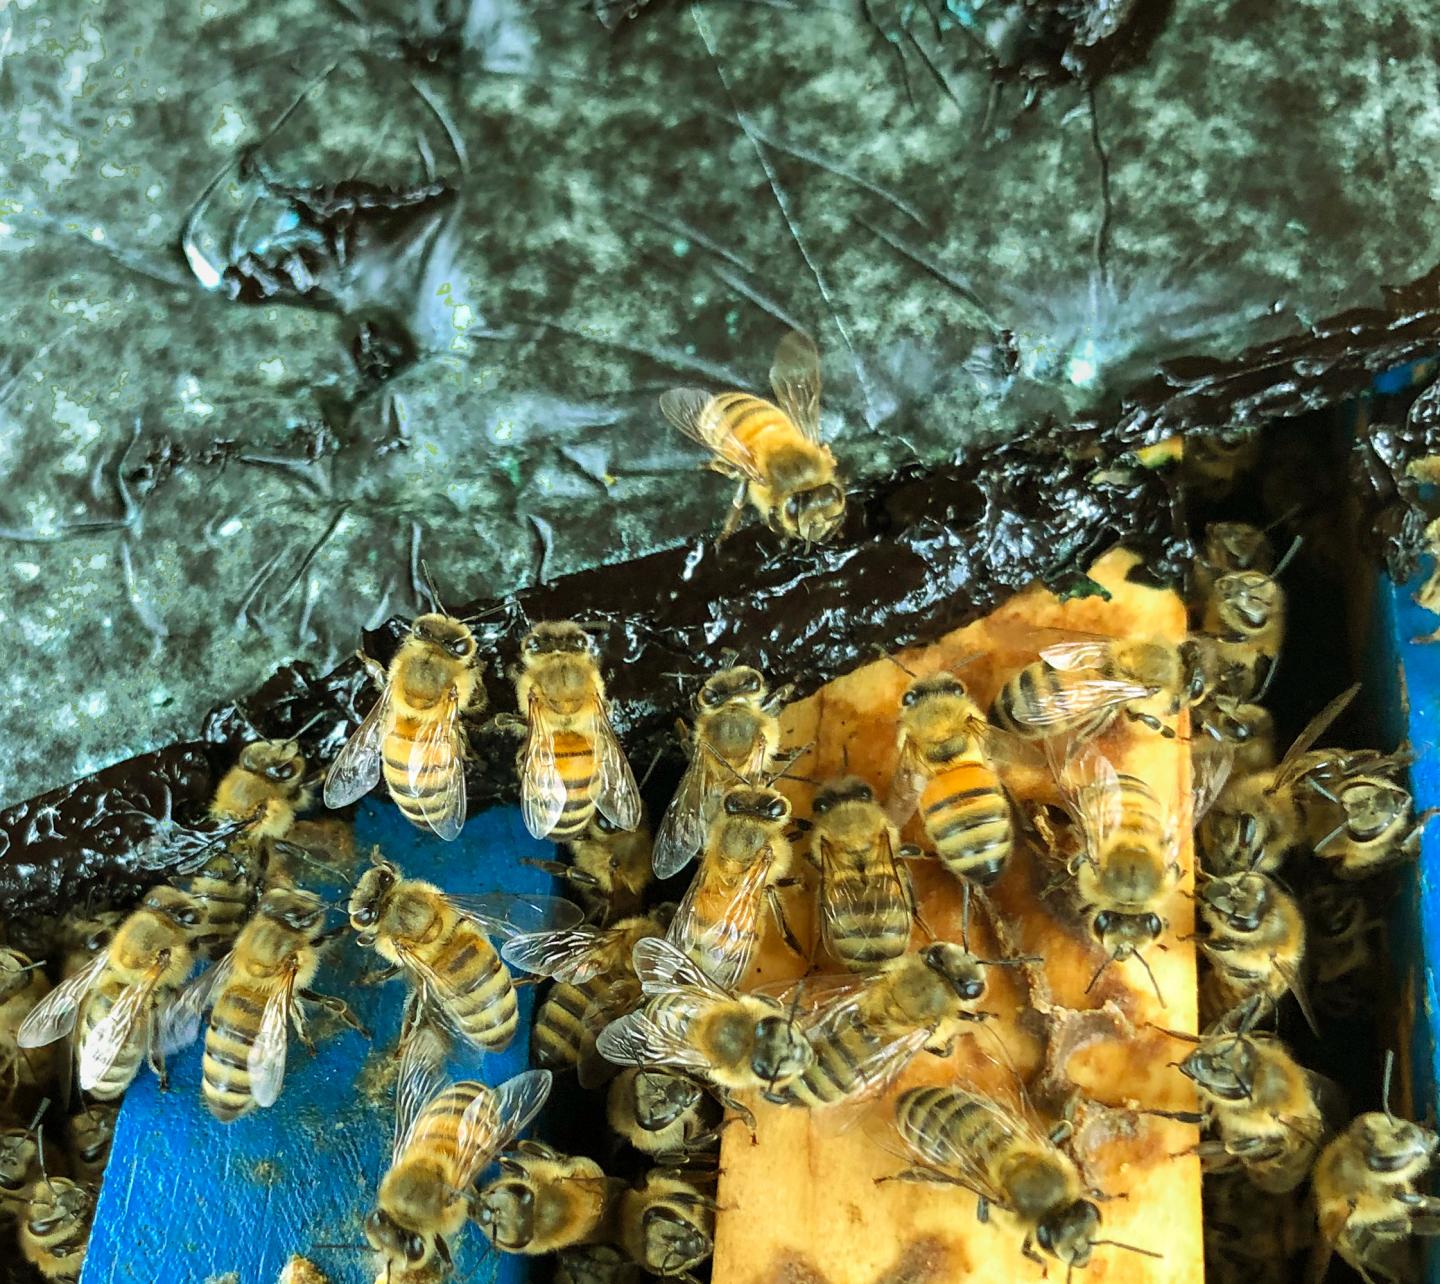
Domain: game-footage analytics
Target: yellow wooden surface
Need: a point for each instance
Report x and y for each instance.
(801, 1204)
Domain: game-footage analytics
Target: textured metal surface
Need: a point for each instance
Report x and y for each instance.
(201, 488)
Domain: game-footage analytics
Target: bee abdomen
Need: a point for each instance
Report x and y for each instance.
(575, 762)
(871, 928)
(126, 1065)
(836, 1071)
(225, 1068)
(484, 1006)
(436, 1131)
(967, 816)
(759, 426)
(416, 774)
(939, 1120)
(560, 1037)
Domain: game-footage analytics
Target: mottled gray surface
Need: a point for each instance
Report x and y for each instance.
(198, 489)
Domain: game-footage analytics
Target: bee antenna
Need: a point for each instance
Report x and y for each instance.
(1156, 984)
(1099, 971)
(429, 582)
(724, 762)
(294, 739)
(883, 654)
(1288, 558)
(1129, 1248)
(1385, 1090)
(965, 918)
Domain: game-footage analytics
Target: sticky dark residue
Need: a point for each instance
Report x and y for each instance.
(1395, 506)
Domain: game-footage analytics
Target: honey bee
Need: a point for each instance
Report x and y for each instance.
(959, 1137)
(1266, 1111)
(124, 999)
(1076, 688)
(773, 451)
(83, 938)
(1255, 944)
(224, 886)
(1228, 547)
(446, 1134)
(1365, 1196)
(1244, 616)
(594, 982)
(736, 736)
(570, 765)
(689, 1023)
(1340, 926)
(255, 994)
(659, 1112)
(1244, 733)
(747, 860)
(414, 728)
(866, 1034)
(19, 1169)
(1215, 461)
(667, 1223)
(1251, 1237)
(611, 869)
(91, 1132)
(1374, 825)
(55, 1228)
(945, 770)
(595, 1264)
(544, 1201)
(442, 944)
(23, 1073)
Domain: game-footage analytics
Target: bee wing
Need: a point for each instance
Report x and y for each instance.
(495, 1118)
(542, 791)
(439, 743)
(1077, 653)
(877, 1071)
(1296, 981)
(795, 377)
(661, 966)
(616, 794)
(1312, 732)
(180, 1022)
(636, 1039)
(682, 829)
(686, 409)
(419, 1079)
(573, 955)
(906, 786)
(1071, 700)
(841, 899)
(1091, 787)
(54, 1016)
(511, 914)
(1211, 770)
(266, 1060)
(959, 1164)
(356, 769)
(107, 1038)
(723, 911)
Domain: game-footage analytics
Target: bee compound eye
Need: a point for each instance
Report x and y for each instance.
(1153, 925)
(909, 698)
(414, 1248)
(1103, 922)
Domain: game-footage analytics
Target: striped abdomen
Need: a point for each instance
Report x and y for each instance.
(234, 1024)
(836, 1072)
(127, 1065)
(936, 1122)
(224, 889)
(435, 1138)
(1139, 819)
(966, 815)
(475, 986)
(866, 917)
(418, 774)
(575, 761)
(718, 922)
(1028, 704)
(561, 1037)
(764, 430)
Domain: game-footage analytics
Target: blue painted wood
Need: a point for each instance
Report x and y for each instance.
(188, 1199)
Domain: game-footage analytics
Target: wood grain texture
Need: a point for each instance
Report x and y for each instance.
(801, 1204)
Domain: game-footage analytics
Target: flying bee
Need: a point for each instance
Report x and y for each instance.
(736, 737)
(866, 1034)
(570, 764)
(747, 861)
(255, 994)
(124, 999)
(610, 872)
(659, 1112)
(958, 1137)
(91, 1132)
(1340, 926)
(23, 1073)
(1255, 943)
(55, 1228)
(1365, 824)
(594, 982)
(773, 451)
(1365, 1197)
(666, 1223)
(689, 1023)
(544, 1201)
(414, 728)
(442, 945)
(945, 770)
(1076, 688)
(446, 1134)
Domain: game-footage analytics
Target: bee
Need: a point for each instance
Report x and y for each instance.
(1365, 1197)
(414, 731)
(19, 1169)
(945, 770)
(747, 861)
(446, 1134)
(1266, 1111)
(959, 1137)
(91, 1132)
(255, 994)
(1245, 618)
(1076, 688)
(1339, 930)
(544, 1201)
(659, 1112)
(611, 868)
(83, 938)
(1215, 461)
(867, 1034)
(1255, 943)
(689, 1023)
(1251, 1237)
(1374, 827)
(736, 735)
(773, 451)
(1244, 733)
(1228, 547)
(594, 982)
(667, 1223)
(570, 764)
(23, 1073)
(225, 888)
(124, 999)
(441, 943)
(55, 1228)
(595, 1264)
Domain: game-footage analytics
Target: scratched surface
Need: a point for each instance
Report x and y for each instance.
(211, 487)
(186, 1199)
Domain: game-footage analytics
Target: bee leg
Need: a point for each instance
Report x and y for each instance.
(778, 910)
(337, 1008)
(381, 976)
(1027, 1249)
(442, 1251)
(1151, 721)
(743, 1113)
(374, 668)
(737, 509)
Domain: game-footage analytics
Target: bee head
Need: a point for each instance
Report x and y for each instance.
(18, 1157)
(1248, 598)
(1372, 806)
(1122, 934)
(1224, 1067)
(15, 970)
(781, 1050)
(368, 898)
(182, 910)
(275, 760)
(661, 1098)
(1241, 901)
(300, 910)
(505, 1212)
(758, 803)
(812, 515)
(673, 1244)
(446, 633)
(1395, 1147)
(397, 1244)
(740, 685)
(1068, 1233)
(1238, 546)
(961, 970)
(843, 790)
(557, 638)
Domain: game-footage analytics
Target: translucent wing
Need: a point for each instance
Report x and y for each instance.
(682, 830)
(1091, 786)
(495, 1118)
(542, 791)
(574, 955)
(616, 795)
(509, 914)
(1298, 988)
(906, 786)
(54, 1016)
(111, 1035)
(662, 967)
(944, 1151)
(884, 1061)
(1087, 653)
(874, 899)
(356, 769)
(795, 377)
(689, 410)
(1210, 770)
(438, 747)
(1068, 701)
(719, 918)
(636, 1039)
(1312, 732)
(266, 1061)
(421, 1076)
(180, 1021)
